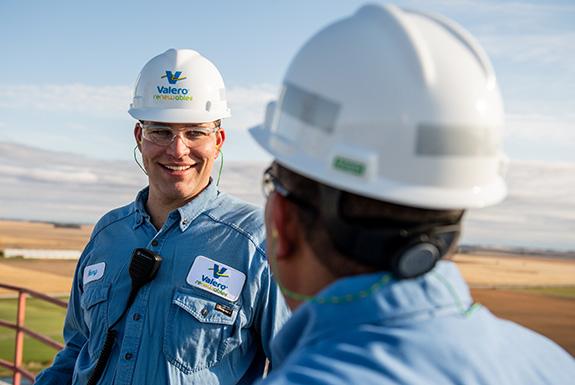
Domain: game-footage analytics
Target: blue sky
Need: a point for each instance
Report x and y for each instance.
(68, 67)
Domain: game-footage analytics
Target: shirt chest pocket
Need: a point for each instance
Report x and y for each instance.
(94, 304)
(199, 331)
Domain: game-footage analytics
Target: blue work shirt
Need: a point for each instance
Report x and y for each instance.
(370, 329)
(206, 318)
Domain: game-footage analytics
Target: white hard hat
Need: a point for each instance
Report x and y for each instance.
(395, 105)
(179, 86)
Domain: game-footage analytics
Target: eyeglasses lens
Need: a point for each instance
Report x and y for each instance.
(164, 135)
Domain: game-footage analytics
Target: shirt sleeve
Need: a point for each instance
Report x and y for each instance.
(273, 311)
(75, 336)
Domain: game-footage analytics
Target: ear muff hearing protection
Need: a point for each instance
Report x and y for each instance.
(423, 251)
(407, 250)
(416, 261)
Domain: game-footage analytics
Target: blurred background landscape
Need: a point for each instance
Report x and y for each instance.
(44, 185)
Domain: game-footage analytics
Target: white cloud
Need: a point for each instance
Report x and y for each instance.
(539, 211)
(512, 7)
(521, 32)
(92, 100)
(248, 104)
(548, 48)
(256, 94)
(536, 136)
(547, 125)
(542, 128)
(49, 175)
(72, 112)
(28, 164)
(3, 135)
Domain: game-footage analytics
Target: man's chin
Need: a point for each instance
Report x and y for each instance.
(188, 189)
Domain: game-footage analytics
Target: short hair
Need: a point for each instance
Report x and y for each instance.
(353, 207)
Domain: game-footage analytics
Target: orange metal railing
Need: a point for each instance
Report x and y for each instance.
(16, 366)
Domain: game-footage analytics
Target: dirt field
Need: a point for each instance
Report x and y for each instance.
(498, 282)
(32, 235)
(515, 271)
(53, 277)
(550, 316)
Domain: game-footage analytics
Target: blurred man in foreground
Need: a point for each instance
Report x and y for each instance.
(387, 128)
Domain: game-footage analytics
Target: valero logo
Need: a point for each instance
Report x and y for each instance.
(219, 271)
(173, 93)
(216, 286)
(173, 77)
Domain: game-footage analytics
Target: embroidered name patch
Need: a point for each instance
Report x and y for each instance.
(217, 278)
(94, 272)
(224, 309)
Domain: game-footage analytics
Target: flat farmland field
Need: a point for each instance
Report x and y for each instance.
(41, 235)
(545, 304)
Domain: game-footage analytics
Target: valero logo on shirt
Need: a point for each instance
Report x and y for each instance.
(219, 271)
(172, 93)
(224, 281)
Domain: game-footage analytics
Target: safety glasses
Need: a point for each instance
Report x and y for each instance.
(271, 183)
(164, 135)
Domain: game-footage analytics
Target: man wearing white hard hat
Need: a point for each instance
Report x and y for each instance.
(173, 288)
(386, 129)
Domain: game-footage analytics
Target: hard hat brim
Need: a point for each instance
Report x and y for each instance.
(176, 115)
(376, 187)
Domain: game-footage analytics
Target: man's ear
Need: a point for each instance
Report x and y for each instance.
(138, 135)
(220, 139)
(285, 227)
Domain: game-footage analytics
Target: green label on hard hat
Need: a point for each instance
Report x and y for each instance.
(349, 165)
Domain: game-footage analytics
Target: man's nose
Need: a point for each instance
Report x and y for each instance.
(178, 147)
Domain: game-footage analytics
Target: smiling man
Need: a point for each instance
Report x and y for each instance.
(209, 312)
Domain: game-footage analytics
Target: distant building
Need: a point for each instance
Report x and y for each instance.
(66, 225)
(41, 254)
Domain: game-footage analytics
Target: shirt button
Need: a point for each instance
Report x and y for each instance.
(136, 317)
(128, 356)
(205, 311)
(154, 243)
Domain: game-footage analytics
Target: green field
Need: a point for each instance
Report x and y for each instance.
(560, 291)
(41, 317)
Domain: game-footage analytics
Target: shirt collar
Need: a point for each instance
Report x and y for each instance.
(391, 299)
(188, 212)
(374, 298)
(198, 205)
(139, 208)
